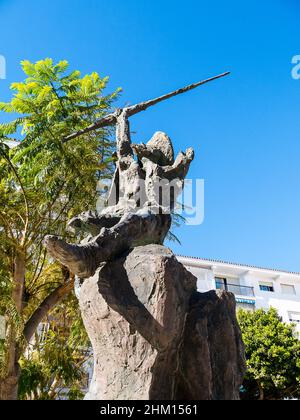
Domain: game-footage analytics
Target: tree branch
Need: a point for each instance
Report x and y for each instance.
(49, 303)
(11, 165)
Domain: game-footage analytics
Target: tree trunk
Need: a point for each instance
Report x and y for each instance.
(261, 392)
(19, 280)
(155, 337)
(9, 384)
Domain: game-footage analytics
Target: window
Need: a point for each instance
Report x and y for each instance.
(288, 289)
(221, 283)
(233, 285)
(266, 287)
(294, 317)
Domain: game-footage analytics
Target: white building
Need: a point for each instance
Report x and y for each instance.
(253, 287)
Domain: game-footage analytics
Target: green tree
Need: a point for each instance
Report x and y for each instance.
(56, 363)
(43, 183)
(273, 356)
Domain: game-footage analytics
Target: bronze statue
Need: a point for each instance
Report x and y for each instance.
(153, 335)
(146, 184)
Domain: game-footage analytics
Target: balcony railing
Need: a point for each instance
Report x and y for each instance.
(236, 289)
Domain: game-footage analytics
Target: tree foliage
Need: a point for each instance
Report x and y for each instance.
(43, 183)
(273, 356)
(56, 363)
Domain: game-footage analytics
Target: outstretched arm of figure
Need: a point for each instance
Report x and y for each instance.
(124, 149)
(180, 167)
(111, 119)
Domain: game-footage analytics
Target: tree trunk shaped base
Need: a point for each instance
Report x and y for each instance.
(155, 337)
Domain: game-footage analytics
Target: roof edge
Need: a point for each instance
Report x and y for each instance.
(295, 273)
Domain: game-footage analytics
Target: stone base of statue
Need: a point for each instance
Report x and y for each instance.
(155, 337)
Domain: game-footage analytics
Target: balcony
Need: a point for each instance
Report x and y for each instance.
(236, 289)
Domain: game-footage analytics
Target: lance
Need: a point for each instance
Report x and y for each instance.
(111, 119)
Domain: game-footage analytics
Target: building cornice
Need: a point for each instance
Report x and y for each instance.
(248, 268)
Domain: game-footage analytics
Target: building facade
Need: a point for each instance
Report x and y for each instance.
(253, 287)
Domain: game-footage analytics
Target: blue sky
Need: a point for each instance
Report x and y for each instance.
(245, 129)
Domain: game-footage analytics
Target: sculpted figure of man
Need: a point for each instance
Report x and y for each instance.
(145, 186)
(147, 181)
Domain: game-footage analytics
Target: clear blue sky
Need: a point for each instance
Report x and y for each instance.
(245, 129)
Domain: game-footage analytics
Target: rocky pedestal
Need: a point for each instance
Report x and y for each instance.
(155, 337)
